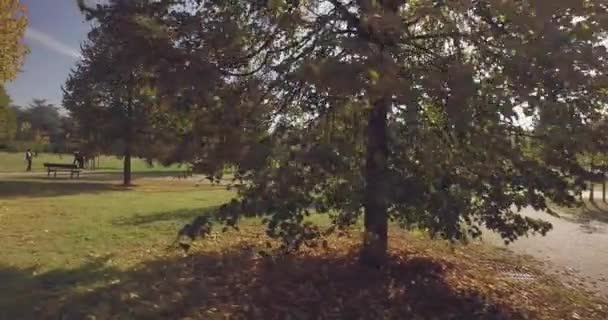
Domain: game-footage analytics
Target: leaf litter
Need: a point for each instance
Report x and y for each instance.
(237, 276)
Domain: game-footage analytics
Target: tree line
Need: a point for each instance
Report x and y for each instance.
(40, 126)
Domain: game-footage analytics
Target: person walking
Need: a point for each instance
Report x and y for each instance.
(78, 159)
(28, 159)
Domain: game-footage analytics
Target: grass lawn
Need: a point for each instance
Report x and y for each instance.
(90, 249)
(14, 162)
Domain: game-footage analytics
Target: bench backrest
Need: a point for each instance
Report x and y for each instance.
(61, 165)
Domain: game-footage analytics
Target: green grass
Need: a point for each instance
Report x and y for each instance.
(74, 249)
(14, 162)
(60, 223)
(50, 225)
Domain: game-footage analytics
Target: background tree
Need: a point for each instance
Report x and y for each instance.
(13, 23)
(40, 126)
(43, 117)
(179, 116)
(8, 120)
(110, 93)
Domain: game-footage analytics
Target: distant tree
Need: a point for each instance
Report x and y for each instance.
(172, 121)
(109, 94)
(13, 22)
(43, 117)
(42, 125)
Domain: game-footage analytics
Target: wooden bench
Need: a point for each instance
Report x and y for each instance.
(54, 167)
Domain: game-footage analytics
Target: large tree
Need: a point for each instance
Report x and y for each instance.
(13, 23)
(177, 115)
(441, 90)
(412, 111)
(110, 93)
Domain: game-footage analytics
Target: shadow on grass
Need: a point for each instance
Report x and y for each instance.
(117, 174)
(242, 284)
(101, 175)
(185, 215)
(50, 188)
(23, 292)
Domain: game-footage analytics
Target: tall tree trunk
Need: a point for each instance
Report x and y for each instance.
(375, 240)
(604, 180)
(126, 173)
(128, 136)
(591, 184)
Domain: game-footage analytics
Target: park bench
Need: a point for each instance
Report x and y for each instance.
(54, 167)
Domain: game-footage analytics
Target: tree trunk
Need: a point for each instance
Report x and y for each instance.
(126, 174)
(604, 180)
(591, 185)
(128, 135)
(375, 242)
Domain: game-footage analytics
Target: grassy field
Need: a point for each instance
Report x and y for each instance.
(59, 225)
(90, 249)
(14, 162)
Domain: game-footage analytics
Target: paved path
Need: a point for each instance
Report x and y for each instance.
(573, 246)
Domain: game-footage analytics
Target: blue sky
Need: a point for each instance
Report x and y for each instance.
(56, 30)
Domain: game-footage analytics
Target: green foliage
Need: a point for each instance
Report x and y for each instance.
(43, 117)
(388, 109)
(8, 119)
(110, 93)
(41, 127)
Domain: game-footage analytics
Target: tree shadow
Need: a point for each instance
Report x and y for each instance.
(100, 175)
(186, 215)
(23, 291)
(590, 211)
(32, 188)
(245, 285)
(595, 211)
(117, 175)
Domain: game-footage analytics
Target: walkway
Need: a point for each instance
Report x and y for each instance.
(574, 246)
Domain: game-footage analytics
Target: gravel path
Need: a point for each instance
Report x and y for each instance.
(573, 247)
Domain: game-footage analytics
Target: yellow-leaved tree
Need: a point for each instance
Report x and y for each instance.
(13, 23)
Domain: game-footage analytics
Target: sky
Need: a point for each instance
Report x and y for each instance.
(56, 30)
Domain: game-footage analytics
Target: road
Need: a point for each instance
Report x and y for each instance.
(573, 246)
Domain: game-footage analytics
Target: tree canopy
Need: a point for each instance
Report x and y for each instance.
(13, 23)
(408, 111)
(111, 94)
